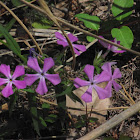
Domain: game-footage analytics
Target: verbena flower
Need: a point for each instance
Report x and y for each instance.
(116, 74)
(11, 79)
(92, 83)
(41, 74)
(62, 41)
(111, 47)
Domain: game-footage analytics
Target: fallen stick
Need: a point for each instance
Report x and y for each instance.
(112, 122)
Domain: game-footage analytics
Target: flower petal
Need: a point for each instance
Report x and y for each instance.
(80, 83)
(102, 93)
(81, 48)
(107, 67)
(3, 81)
(33, 63)
(31, 78)
(116, 85)
(7, 91)
(19, 71)
(53, 78)
(109, 89)
(48, 63)
(76, 51)
(89, 70)
(105, 44)
(42, 88)
(63, 43)
(87, 96)
(5, 69)
(60, 36)
(72, 37)
(116, 74)
(119, 51)
(19, 84)
(103, 77)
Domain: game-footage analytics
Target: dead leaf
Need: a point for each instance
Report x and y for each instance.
(95, 104)
(136, 131)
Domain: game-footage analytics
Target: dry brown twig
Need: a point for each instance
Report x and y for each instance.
(21, 23)
(81, 30)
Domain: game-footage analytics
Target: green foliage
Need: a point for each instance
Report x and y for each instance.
(120, 8)
(124, 35)
(122, 137)
(12, 101)
(98, 61)
(11, 43)
(18, 2)
(90, 38)
(92, 22)
(42, 24)
(83, 121)
(34, 112)
(9, 25)
(46, 106)
(51, 118)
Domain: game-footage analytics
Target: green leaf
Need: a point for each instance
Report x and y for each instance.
(120, 6)
(67, 91)
(13, 99)
(51, 118)
(43, 122)
(80, 124)
(9, 25)
(92, 120)
(90, 38)
(122, 137)
(28, 90)
(16, 2)
(124, 35)
(33, 111)
(43, 24)
(92, 22)
(11, 43)
(109, 138)
(45, 105)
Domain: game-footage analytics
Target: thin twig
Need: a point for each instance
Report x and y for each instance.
(127, 94)
(21, 23)
(81, 30)
(71, 58)
(112, 122)
(126, 97)
(52, 17)
(16, 8)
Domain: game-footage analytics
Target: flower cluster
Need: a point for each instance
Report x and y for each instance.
(105, 76)
(111, 47)
(30, 78)
(62, 41)
(41, 74)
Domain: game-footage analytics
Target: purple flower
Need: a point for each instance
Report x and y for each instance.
(41, 74)
(62, 41)
(11, 79)
(117, 74)
(111, 47)
(92, 83)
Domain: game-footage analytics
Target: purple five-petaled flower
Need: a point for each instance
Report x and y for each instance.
(41, 74)
(116, 74)
(92, 83)
(62, 41)
(11, 79)
(111, 47)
